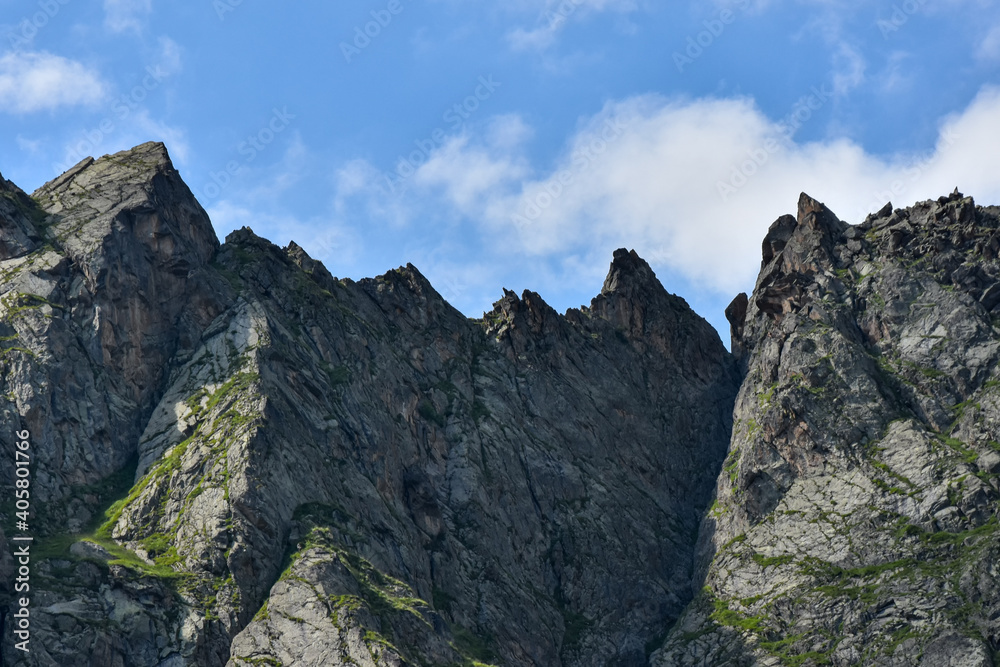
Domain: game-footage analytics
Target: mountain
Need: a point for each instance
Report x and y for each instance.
(855, 518)
(238, 459)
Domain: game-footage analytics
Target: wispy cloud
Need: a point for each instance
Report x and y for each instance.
(896, 76)
(554, 15)
(126, 15)
(646, 173)
(38, 81)
(466, 170)
(848, 69)
(170, 56)
(989, 48)
(146, 128)
(32, 146)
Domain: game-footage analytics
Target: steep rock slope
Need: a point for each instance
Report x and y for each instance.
(101, 285)
(856, 514)
(320, 471)
(106, 285)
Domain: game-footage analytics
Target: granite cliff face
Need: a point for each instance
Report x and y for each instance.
(856, 513)
(239, 459)
(243, 460)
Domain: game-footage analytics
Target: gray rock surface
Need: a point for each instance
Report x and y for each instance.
(240, 459)
(106, 295)
(308, 470)
(18, 215)
(856, 514)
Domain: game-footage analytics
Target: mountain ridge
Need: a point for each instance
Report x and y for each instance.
(352, 434)
(241, 459)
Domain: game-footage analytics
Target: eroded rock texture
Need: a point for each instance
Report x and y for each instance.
(856, 513)
(242, 460)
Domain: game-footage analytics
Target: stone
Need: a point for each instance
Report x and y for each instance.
(89, 550)
(861, 474)
(344, 472)
(242, 459)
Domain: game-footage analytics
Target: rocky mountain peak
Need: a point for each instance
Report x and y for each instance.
(861, 485)
(635, 302)
(820, 220)
(629, 274)
(135, 193)
(239, 459)
(527, 323)
(119, 249)
(630, 289)
(776, 238)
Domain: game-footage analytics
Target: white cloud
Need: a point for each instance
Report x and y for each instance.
(849, 69)
(36, 81)
(467, 171)
(355, 177)
(553, 17)
(693, 184)
(989, 48)
(507, 132)
(122, 15)
(170, 56)
(32, 146)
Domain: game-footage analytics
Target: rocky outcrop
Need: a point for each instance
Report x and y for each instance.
(856, 514)
(241, 459)
(95, 309)
(105, 287)
(339, 472)
(18, 234)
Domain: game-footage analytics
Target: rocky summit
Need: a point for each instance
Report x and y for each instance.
(239, 459)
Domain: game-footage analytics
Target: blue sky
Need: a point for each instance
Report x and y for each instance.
(517, 144)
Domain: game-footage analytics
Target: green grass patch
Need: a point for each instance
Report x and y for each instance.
(966, 453)
(731, 466)
(773, 561)
(764, 398)
(723, 615)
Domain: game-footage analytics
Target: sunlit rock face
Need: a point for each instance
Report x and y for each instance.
(856, 513)
(241, 459)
